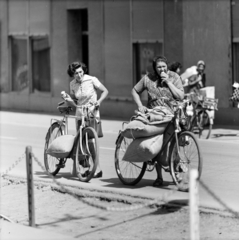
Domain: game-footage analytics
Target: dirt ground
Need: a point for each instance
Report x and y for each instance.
(59, 212)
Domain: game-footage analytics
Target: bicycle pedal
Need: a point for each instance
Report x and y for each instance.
(196, 131)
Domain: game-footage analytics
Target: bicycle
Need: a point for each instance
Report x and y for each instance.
(85, 151)
(201, 123)
(184, 153)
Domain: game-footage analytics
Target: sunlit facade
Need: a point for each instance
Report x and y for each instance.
(117, 40)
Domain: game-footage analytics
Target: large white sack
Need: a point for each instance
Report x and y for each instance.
(143, 149)
(137, 129)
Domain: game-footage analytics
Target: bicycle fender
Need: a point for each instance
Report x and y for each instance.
(62, 125)
(117, 140)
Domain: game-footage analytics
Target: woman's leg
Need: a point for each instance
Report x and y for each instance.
(78, 123)
(159, 180)
(98, 171)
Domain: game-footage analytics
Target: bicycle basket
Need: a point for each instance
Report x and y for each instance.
(210, 103)
(64, 108)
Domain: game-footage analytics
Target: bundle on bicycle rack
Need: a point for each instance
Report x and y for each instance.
(61, 146)
(146, 130)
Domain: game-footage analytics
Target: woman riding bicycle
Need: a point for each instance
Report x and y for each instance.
(198, 80)
(83, 91)
(195, 83)
(160, 83)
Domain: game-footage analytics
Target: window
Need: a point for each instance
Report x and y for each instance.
(40, 64)
(19, 65)
(30, 72)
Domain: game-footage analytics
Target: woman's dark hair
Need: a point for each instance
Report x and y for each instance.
(73, 66)
(159, 59)
(174, 66)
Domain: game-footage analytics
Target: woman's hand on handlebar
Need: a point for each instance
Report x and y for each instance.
(95, 104)
(142, 109)
(70, 101)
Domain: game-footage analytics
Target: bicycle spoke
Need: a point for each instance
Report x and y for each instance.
(186, 158)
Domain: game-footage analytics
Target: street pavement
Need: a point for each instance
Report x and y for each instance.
(223, 138)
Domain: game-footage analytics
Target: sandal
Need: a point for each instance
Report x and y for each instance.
(158, 182)
(85, 174)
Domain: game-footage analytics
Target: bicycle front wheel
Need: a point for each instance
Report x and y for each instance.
(87, 154)
(202, 125)
(206, 125)
(52, 163)
(129, 173)
(185, 155)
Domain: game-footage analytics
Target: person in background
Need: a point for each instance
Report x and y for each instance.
(83, 91)
(160, 83)
(198, 80)
(175, 67)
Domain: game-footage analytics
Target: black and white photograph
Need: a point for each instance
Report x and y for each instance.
(119, 119)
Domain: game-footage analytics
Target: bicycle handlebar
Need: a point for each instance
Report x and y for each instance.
(86, 111)
(176, 103)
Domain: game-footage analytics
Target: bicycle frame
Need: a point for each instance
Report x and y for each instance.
(64, 122)
(177, 129)
(85, 114)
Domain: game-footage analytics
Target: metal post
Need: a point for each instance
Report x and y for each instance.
(193, 203)
(30, 188)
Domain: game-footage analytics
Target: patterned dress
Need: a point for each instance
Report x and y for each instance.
(156, 89)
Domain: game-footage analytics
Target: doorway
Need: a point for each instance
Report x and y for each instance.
(78, 39)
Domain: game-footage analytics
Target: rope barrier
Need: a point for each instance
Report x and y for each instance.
(13, 165)
(131, 208)
(135, 207)
(218, 199)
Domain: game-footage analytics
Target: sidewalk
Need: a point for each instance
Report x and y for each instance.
(221, 132)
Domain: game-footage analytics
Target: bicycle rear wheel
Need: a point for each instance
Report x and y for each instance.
(129, 173)
(52, 164)
(86, 161)
(183, 158)
(206, 124)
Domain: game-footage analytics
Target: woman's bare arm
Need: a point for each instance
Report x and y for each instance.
(137, 100)
(104, 93)
(177, 93)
